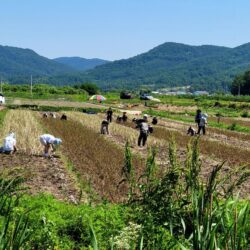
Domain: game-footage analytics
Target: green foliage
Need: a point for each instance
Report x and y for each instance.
(233, 126)
(178, 210)
(245, 114)
(91, 88)
(241, 84)
(170, 209)
(173, 64)
(14, 227)
(209, 68)
(43, 91)
(2, 115)
(58, 225)
(128, 170)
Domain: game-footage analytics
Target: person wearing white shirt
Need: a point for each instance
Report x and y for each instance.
(48, 141)
(9, 144)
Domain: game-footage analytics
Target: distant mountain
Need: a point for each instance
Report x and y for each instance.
(173, 64)
(79, 63)
(16, 62)
(203, 67)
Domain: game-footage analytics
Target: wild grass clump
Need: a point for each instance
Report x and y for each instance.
(2, 116)
(180, 210)
(233, 126)
(245, 114)
(14, 226)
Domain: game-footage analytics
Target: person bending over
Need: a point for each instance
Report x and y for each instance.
(9, 144)
(49, 141)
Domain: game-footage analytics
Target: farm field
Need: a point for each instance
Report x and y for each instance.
(90, 168)
(98, 159)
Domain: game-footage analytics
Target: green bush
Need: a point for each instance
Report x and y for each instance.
(233, 126)
(245, 114)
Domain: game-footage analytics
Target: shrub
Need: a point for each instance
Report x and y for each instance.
(232, 106)
(233, 126)
(245, 114)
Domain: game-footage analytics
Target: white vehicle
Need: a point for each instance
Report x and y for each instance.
(2, 99)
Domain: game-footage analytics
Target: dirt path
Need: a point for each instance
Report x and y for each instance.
(42, 175)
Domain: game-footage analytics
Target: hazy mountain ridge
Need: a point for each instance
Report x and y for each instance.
(79, 63)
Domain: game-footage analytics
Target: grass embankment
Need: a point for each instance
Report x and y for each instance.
(98, 161)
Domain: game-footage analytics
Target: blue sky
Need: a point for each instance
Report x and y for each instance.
(116, 29)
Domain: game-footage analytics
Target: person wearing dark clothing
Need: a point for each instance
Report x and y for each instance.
(191, 131)
(154, 121)
(64, 117)
(124, 117)
(144, 130)
(198, 117)
(109, 115)
(202, 124)
(105, 127)
(119, 118)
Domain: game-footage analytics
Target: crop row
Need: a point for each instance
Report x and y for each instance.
(124, 133)
(98, 161)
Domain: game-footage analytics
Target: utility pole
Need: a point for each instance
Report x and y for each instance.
(31, 85)
(1, 85)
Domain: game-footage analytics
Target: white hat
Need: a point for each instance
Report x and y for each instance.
(12, 134)
(57, 141)
(145, 115)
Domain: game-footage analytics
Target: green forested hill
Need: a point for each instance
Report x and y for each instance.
(79, 63)
(17, 62)
(172, 64)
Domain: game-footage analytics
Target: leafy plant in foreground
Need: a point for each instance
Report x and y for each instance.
(180, 210)
(14, 232)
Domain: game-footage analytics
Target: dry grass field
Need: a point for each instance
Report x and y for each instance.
(98, 159)
(42, 175)
(26, 129)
